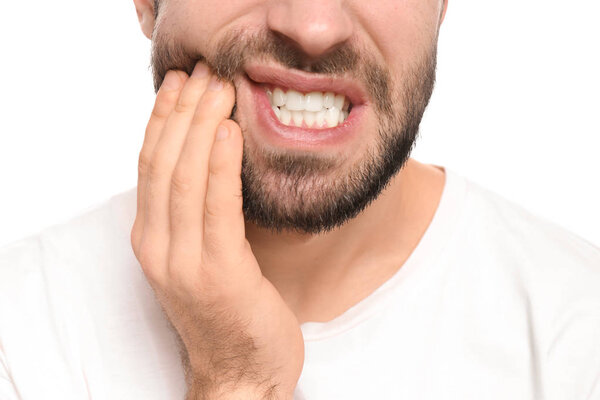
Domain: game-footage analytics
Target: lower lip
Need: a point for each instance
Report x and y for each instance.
(295, 136)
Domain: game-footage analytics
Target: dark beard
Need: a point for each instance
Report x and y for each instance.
(302, 192)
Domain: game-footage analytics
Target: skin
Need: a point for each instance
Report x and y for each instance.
(237, 294)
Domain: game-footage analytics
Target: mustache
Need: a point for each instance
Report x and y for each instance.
(237, 47)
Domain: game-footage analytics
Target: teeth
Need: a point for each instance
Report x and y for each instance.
(309, 118)
(278, 97)
(277, 111)
(297, 117)
(314, 101)
(339, 101)
(320, 117)
(294, 101)
(328, 100)
(343, 116)
(311, 110)
(286, 116)
(332, 117)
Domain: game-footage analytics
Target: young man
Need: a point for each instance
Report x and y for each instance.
(283, 245)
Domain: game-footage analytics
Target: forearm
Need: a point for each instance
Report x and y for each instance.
(230, 386)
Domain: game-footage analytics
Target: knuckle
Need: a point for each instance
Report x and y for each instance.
(212, 208)
(147, 256)
(153, 277)
(149, 262)
(160, 111)
(216, 167)
(210, 98)
(218, 101)
(143, 164)
(165, 100)
(214, 247)
(179, 271)
(182, 107)
(213, 251)
(155, 168)
(201, 115)
(217, 255)
(181, 182)
(135, 238)
(163, 105)
(212, 106)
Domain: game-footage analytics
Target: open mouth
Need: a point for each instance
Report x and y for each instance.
(313, 110)
(298, 110)
(306, 100)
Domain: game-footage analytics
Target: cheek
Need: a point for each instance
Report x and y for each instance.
(186, 22)
(201, 23)
(400, 30)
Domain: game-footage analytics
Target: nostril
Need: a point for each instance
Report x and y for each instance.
(310, 28)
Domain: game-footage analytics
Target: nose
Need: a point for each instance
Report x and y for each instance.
(314, 26)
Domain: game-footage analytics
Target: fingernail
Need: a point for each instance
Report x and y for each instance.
(201, 70)
(215, 83)
(222, 133)
(171, 81)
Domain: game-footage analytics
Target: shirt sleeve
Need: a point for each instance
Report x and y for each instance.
(573, 357)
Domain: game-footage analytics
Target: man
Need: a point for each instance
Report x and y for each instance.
(283, 245)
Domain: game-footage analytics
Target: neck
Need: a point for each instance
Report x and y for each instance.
(321, 276)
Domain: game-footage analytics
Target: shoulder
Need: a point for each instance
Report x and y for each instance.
(506, 245)
(549, 274)
(543, 253)
(525, 235)
(66, 251)
(50, 282)
(73, 300)
(86, 230)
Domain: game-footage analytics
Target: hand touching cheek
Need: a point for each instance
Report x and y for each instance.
(241, 339)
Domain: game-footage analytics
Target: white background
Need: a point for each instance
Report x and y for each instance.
(515, 107)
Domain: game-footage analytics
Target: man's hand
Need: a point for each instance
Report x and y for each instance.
(241, 339)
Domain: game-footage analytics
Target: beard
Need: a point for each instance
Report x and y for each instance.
(310, 193)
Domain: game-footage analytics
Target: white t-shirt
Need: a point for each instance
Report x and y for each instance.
(494, 303)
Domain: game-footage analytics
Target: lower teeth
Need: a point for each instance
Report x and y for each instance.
(328, 118)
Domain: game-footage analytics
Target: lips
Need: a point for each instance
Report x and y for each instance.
(257, 87)
(306, 82)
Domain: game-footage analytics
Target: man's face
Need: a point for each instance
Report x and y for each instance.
(329, 94)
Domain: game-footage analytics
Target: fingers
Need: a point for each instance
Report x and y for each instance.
(162, 163)
(189, 185)
(165, 101)
(224, 219)
(190, 175)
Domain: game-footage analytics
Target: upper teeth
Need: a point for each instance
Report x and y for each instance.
(314, 109)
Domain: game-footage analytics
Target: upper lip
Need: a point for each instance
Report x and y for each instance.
(306, 82)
